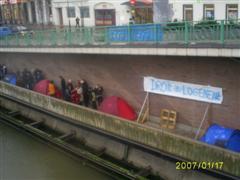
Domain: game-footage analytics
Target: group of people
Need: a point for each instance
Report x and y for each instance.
(28, 79)
(82, 94)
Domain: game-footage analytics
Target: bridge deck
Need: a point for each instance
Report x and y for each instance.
(202, 52)
(204, 38)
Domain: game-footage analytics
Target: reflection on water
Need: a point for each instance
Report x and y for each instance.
(24, 158)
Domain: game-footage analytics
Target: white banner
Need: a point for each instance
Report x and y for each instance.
(183, 90)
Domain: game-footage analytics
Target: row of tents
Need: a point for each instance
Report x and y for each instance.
(112, 105)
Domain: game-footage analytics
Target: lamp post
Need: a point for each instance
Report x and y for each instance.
(10, 11)
(41, 13)
(82, 14)
(69, 23)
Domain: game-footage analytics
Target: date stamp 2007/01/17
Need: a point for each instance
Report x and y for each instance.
(198, 165)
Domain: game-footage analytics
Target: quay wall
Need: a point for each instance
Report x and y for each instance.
(158, 139)
(161, 166)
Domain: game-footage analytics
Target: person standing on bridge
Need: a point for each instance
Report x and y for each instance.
(77, 22)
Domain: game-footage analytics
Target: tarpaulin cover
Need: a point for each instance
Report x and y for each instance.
(119, 107)
(221, 136)
(42, 87)
(10, 78)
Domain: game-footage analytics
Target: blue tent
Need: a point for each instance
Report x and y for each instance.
(234, 141)
(10, 78)
(221, 136)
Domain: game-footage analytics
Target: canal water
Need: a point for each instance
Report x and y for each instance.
(24, 158)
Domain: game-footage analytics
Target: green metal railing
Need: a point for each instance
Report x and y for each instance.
(218, 31)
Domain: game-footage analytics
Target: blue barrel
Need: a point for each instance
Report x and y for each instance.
(10, 78)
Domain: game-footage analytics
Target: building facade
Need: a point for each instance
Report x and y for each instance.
(25, 11)
(197, 10)
(163, 11)
(90, 12)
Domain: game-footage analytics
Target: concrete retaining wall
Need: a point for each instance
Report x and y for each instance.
(155, 138)
(160, 166)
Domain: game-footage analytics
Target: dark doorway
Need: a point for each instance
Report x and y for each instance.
(33, 12)
(105, 17)
(188, 12)
(1, 19)
(25, 13)
(60, 16)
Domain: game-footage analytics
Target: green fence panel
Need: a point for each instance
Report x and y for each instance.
(216, 31)
(222, 32)
(186, 34)
(53, 38)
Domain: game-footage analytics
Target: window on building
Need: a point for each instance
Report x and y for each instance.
(231, 11)
(188, 12)
(208, 13)
(84, 12)
(71, 12)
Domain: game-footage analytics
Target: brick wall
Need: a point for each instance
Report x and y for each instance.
(123, 76)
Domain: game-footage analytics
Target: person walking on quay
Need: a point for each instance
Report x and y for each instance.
(1, 72)
(92, 97)
(77, 94)
(70, 84)
(99, 94)
(84, 86)
(28, 79)
(38, 75)
(68, 93)
(4, 70)
(69, 90)
(63, 87)
(51, 89)
(80, 92)
(77, 22)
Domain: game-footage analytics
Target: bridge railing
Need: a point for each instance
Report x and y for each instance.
(215, 31)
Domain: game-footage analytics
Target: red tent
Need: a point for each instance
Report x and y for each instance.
(119, 107)
(42, 87)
